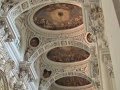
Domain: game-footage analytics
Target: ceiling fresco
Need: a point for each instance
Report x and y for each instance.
(67, 54)
(59, 16)
(72, 81)
(54, 44)
(34, 42)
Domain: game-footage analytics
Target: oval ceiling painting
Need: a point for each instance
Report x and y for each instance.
(72, 81)
(59, 16)
(67, 54)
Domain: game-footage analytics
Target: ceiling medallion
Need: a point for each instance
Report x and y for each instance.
(90, 38)
(67, 54)
(34, 42)
(59, 16)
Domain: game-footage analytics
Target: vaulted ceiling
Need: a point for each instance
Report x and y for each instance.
(54, 37)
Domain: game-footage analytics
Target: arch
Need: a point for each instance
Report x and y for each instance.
(58, 43)
(52, 45)
(4, 80)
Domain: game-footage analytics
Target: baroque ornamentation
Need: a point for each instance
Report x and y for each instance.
(8, 35)
(96, 19)
(5, 32)
(107, 62)
(2, 26)
(49, 41)
(24, 71)
(19, 85)
(8, 4)
(95, 69)
(3, 81)
(28, 53)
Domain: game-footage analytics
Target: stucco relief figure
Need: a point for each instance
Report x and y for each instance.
(2, 23)
(28, 53)
(22, 73)
(96, 19)
(12, 81)
(9, 65)
(95, 68)
(8, 35)
(1, 11)
(108, 63)
(23, 70)
(93, 52)
(19, 85)
(3, 81)
(90, 38)
(8, 4)
(2, 87)
(2, 26)
(2, 61)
